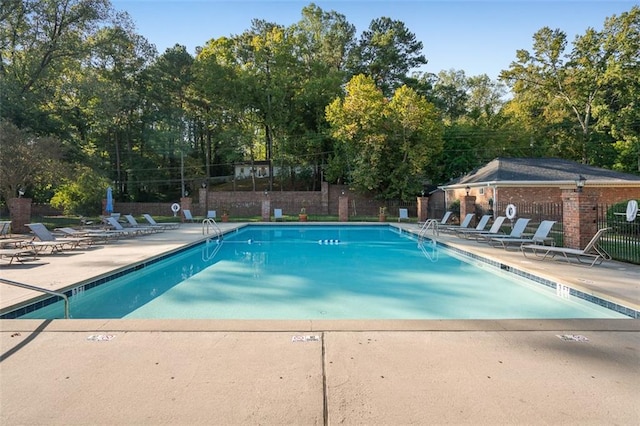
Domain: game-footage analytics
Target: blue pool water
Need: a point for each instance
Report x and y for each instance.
(321, 272)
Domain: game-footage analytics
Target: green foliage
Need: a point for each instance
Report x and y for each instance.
(83, 194)
(26, 160)
(80, 87)
(386, 144)
(582, 102)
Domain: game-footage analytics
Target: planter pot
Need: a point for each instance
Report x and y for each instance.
(302, 217)
(225, 218)
(382, 218)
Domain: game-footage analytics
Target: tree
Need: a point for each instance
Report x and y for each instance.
(386, 144)
(578, 93)
(617, 111)
(25, 159)
(39, 40)
(387, 52)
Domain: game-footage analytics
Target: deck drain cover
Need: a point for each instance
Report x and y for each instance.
(305, 338)
(101, 337)
(573, 337)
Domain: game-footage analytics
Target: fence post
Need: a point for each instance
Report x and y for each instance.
(423, 204)
(20, 214)
(579, 218)
(266, 209)
(343, 208)
(467, 205)
(185, 204)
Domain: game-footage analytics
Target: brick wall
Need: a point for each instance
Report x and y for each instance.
(533, 194)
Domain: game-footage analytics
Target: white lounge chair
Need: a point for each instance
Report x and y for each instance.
(134, 224)
(152, 222)
(48, 240)
(403, 214)
(541, 236)
(5, 228)
(187, 215)
(19, 254)
(482, 223)
(442, 221)
(464, 224)
(591, 251)
(277, 215)
(117, 227)
(495, 229)
(98, 235)
(516, 232)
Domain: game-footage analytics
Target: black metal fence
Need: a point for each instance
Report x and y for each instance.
(537, 212)
(622, 241)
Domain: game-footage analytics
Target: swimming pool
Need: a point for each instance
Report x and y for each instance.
(321, 272)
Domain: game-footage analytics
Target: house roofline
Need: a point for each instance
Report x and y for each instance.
(563, 184)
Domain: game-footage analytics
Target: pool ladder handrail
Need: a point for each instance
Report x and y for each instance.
(43, 290)
(428, 224)
(434, 254)
(206, 255)
(210, 223)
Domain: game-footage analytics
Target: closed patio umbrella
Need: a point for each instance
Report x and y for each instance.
(109, 207)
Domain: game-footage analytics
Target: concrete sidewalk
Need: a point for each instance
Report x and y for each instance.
(356, 372)
(50, 376)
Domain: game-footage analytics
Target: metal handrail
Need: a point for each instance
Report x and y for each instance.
(210, 222)
(43, 290)
(433, 224)
(206, 255)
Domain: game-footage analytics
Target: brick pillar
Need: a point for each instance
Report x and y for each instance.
(467, 205)
(423, 204)
(20, 214)
(324, 190)
(343, 208)
(579, 217)
(185, 204)
(203, 198)
(266, 210)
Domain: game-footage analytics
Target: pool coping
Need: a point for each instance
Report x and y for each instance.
(604, 300)
(311, 326)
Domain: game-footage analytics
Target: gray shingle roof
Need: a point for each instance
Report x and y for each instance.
(540, 170)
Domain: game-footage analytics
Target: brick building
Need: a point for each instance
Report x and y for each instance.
(540, 180)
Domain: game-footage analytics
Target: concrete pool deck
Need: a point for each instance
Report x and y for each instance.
(316, 372)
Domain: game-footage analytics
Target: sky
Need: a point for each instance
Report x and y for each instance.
(476, 36)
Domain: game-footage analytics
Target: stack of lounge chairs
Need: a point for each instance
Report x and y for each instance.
(541, 236)
(44, 239)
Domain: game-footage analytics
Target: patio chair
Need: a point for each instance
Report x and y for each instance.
(19, 254)
(495, 229)
(117, 227)
(187, 215)
(98, 235)
(541, 236)
(403, 214)
(464, 224)
(516, 232)
(591, 251)
(211, 214)
(442, 221)
(482, 223)
(5, 228)
(48, 240)
(277, 215)
(134, 224)
(167, 225)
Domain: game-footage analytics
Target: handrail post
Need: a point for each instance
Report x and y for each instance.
(43, 290)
